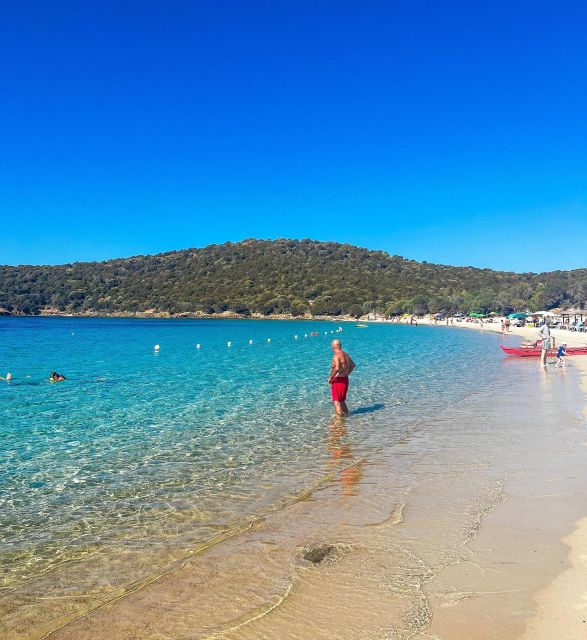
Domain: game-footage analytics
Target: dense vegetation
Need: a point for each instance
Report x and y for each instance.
(281, 277)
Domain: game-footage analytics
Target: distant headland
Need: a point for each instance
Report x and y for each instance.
(278, 278)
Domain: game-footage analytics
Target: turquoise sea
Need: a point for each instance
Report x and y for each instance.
(140, 455)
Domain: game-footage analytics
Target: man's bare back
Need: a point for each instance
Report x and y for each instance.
(341, 367)
(342, 364)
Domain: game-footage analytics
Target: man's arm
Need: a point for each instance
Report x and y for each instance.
(351, 365)
(334, 369)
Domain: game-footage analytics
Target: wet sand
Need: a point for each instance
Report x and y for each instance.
(523, 580)
(472, 526)
(559, 609)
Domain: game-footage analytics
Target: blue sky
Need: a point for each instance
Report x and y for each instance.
(452, 132)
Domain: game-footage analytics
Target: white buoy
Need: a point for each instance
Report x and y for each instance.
(326, 333)
(250, 342)
(268, 339)
(229, 344)
(156, 347)
(305, 335)
(296, 337)
(332, 332)
(198, 346)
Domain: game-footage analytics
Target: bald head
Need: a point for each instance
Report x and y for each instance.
(336, 344)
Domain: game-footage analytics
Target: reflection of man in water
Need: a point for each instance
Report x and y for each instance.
(341, 455)
(340, 369)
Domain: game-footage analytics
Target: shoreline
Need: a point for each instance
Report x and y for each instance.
(226, 315)
(560, 605)
(572, 338)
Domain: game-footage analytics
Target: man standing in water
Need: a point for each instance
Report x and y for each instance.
(545, 335)
(340, 369)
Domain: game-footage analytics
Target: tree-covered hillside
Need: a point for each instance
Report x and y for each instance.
(280, 277)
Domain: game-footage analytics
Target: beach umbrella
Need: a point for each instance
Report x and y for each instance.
(548, 314)
(515, 316)
(476, 315)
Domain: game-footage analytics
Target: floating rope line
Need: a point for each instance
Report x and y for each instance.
(312, 334)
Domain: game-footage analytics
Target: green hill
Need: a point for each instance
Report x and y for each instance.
(280, 277)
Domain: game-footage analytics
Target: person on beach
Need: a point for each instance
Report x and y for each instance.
(8, 377)
(341, 367)
(545, 336)
(56, 377)
(560, 355)
(507, 325)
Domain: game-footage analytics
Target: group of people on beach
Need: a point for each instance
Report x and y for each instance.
(546, 344)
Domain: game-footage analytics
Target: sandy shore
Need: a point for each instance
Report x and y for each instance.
(560, 607)
(572, 338)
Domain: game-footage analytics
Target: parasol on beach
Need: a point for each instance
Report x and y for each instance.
(516, 316)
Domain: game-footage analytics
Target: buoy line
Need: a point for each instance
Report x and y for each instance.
(229, 343)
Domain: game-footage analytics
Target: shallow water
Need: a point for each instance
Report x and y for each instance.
(109, 478)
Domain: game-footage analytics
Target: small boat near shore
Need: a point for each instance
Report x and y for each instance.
(526, 352)
(360, 325)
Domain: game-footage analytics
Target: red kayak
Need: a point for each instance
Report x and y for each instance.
(536, 351)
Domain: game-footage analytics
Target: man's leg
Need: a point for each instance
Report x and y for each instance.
(345, 409)
(338, 408)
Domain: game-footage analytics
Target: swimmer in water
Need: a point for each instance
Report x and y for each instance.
(56, 377)
(8, 377)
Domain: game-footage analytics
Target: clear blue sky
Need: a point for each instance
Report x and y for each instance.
(452, 132)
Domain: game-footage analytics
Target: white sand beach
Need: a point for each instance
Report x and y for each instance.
(561, 606)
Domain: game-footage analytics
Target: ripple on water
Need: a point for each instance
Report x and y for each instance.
(138, 458)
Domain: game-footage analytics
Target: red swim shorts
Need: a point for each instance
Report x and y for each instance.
(339, 388)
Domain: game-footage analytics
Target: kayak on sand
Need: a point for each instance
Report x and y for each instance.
(536, 351)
